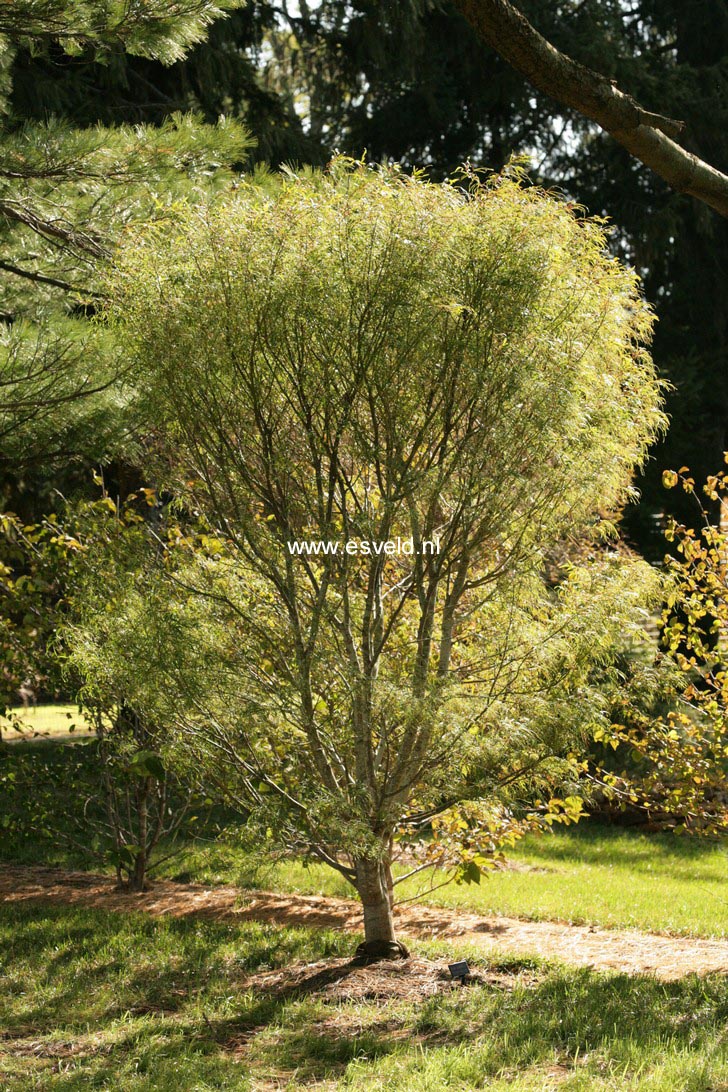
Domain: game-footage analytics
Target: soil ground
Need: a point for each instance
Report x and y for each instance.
(630, 951)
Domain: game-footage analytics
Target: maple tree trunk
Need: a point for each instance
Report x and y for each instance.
(374, 884)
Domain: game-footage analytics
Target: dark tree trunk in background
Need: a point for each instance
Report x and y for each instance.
(138, 874)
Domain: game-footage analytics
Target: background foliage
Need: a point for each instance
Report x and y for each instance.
(407, 80)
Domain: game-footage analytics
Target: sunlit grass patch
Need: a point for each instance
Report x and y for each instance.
(589, 874)
(53, 721)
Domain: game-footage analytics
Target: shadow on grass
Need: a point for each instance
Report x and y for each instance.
(173, 999)
(569, 1013)
(73, 963)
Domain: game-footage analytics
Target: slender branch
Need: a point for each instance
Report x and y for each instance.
(348, 873)
(428, 890)
(413, 872)
(55, 229)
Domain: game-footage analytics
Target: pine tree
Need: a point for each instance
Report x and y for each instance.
(223, 74)
(673, 56)
(66, 196)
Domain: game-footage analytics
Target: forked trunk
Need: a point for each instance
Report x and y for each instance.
(374, 884)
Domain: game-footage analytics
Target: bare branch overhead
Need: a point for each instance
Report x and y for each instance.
(645, 135)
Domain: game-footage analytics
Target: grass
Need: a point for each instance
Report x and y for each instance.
(611, 877)
(585, 874)
(54, 721)
(90, 999)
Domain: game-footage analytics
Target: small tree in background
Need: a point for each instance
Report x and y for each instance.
(123, 801)
(365, 357)
(680, 760)
(140, 802)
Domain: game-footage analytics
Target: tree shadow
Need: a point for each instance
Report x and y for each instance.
(294, 1023)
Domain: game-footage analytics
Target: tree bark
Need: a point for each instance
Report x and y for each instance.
(374, 884)
(138, 875)
(645, 135)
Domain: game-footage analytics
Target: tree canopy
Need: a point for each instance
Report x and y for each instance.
(360, 357)
(414, 84)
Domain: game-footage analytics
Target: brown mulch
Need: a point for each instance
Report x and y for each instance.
(348, 980)
(630, 951)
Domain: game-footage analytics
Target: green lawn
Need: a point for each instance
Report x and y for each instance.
(90, 999)
(44, 720)
(610, 877)
(125, 1003)
(589, 873)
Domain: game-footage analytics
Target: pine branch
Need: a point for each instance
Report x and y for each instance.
(42, 278)
(54, 229)
(159, 29)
